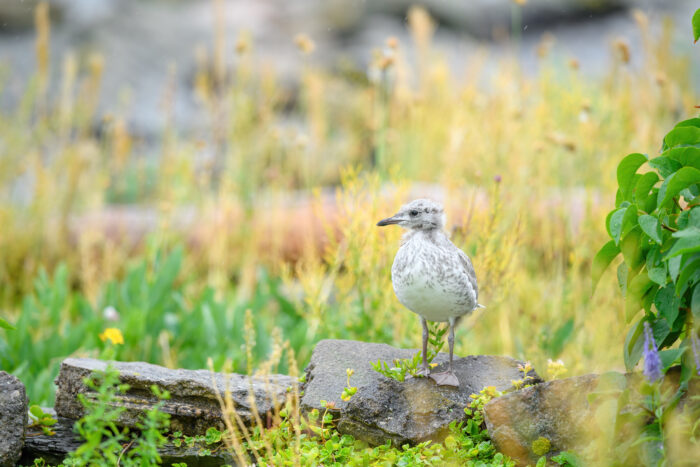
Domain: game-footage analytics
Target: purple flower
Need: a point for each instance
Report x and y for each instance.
(694, 342)
(652, 362)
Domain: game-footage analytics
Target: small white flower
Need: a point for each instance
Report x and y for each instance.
(110, 313)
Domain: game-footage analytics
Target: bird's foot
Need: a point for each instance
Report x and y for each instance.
(423, 372)
(445, 378)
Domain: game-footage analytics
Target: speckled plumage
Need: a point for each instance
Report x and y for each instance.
(434, 278)
(431, 276)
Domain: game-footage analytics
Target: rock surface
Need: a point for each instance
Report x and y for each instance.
(54, 449)
(13, 418)
(193, 404)
(557, 410)
(575, 414)
(411, 411)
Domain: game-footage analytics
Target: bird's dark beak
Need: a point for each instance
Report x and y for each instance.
(388, 221)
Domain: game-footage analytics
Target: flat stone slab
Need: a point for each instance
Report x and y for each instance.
(383, 409)
(55, 448)
(13, 418)
(193, 405)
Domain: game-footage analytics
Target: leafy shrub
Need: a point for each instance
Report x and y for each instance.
(655, 226)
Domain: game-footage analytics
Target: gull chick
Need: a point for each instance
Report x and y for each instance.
(431, 276)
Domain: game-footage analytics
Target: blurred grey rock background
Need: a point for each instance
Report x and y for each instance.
(147, 44)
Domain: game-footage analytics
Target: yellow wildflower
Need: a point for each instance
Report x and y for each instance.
(113, 334)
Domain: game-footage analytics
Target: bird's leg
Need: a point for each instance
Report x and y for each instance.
(448, 378)
(424, 370)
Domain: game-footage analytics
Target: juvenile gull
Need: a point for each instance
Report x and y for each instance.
(431, 276)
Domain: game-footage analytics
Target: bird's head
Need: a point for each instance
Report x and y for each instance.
(419, 214)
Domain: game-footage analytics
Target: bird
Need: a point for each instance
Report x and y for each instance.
(431, 276)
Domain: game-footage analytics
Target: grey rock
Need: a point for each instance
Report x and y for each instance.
(384, 409)
(193, 404)
(481, 17)
(13, 418)
(55, 448)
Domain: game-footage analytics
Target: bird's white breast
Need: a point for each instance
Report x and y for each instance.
(430, 280)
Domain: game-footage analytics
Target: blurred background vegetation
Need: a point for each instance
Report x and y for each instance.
(166, 166)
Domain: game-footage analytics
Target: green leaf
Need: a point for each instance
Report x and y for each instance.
(665, 165)
(36, 411)
(616, 224)
(650, 225)
(695, 302)
(688, 273)
(602, 260)
(568, 458)
(687, 157)
(5, 325)
(637, 289)
(695, 121)
(694, 217)
(626, 172)
(696, 25)
(560, 337)
(660, 330)
(688, 242)
(682, 135)
(632, 251)
(634, 345)
(667, 303)
(629, 221)
(674, 267)
(688, 367)
(672, 186)
(644, 185)
(622, 273)
(657, 274)
(669, 356)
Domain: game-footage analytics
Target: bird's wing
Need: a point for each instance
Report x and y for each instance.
(469, 270)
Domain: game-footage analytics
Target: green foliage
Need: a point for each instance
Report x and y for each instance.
(567, 458)
(206, 444)
(656, 227)
(42, 420)
(56, 321)
(467, 443)
(105, 443)
(5, 325)
(409, 366)
(401, 367)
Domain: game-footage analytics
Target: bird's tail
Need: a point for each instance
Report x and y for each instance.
(479, 305)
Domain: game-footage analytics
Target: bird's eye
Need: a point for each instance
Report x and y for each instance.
(413, 213)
